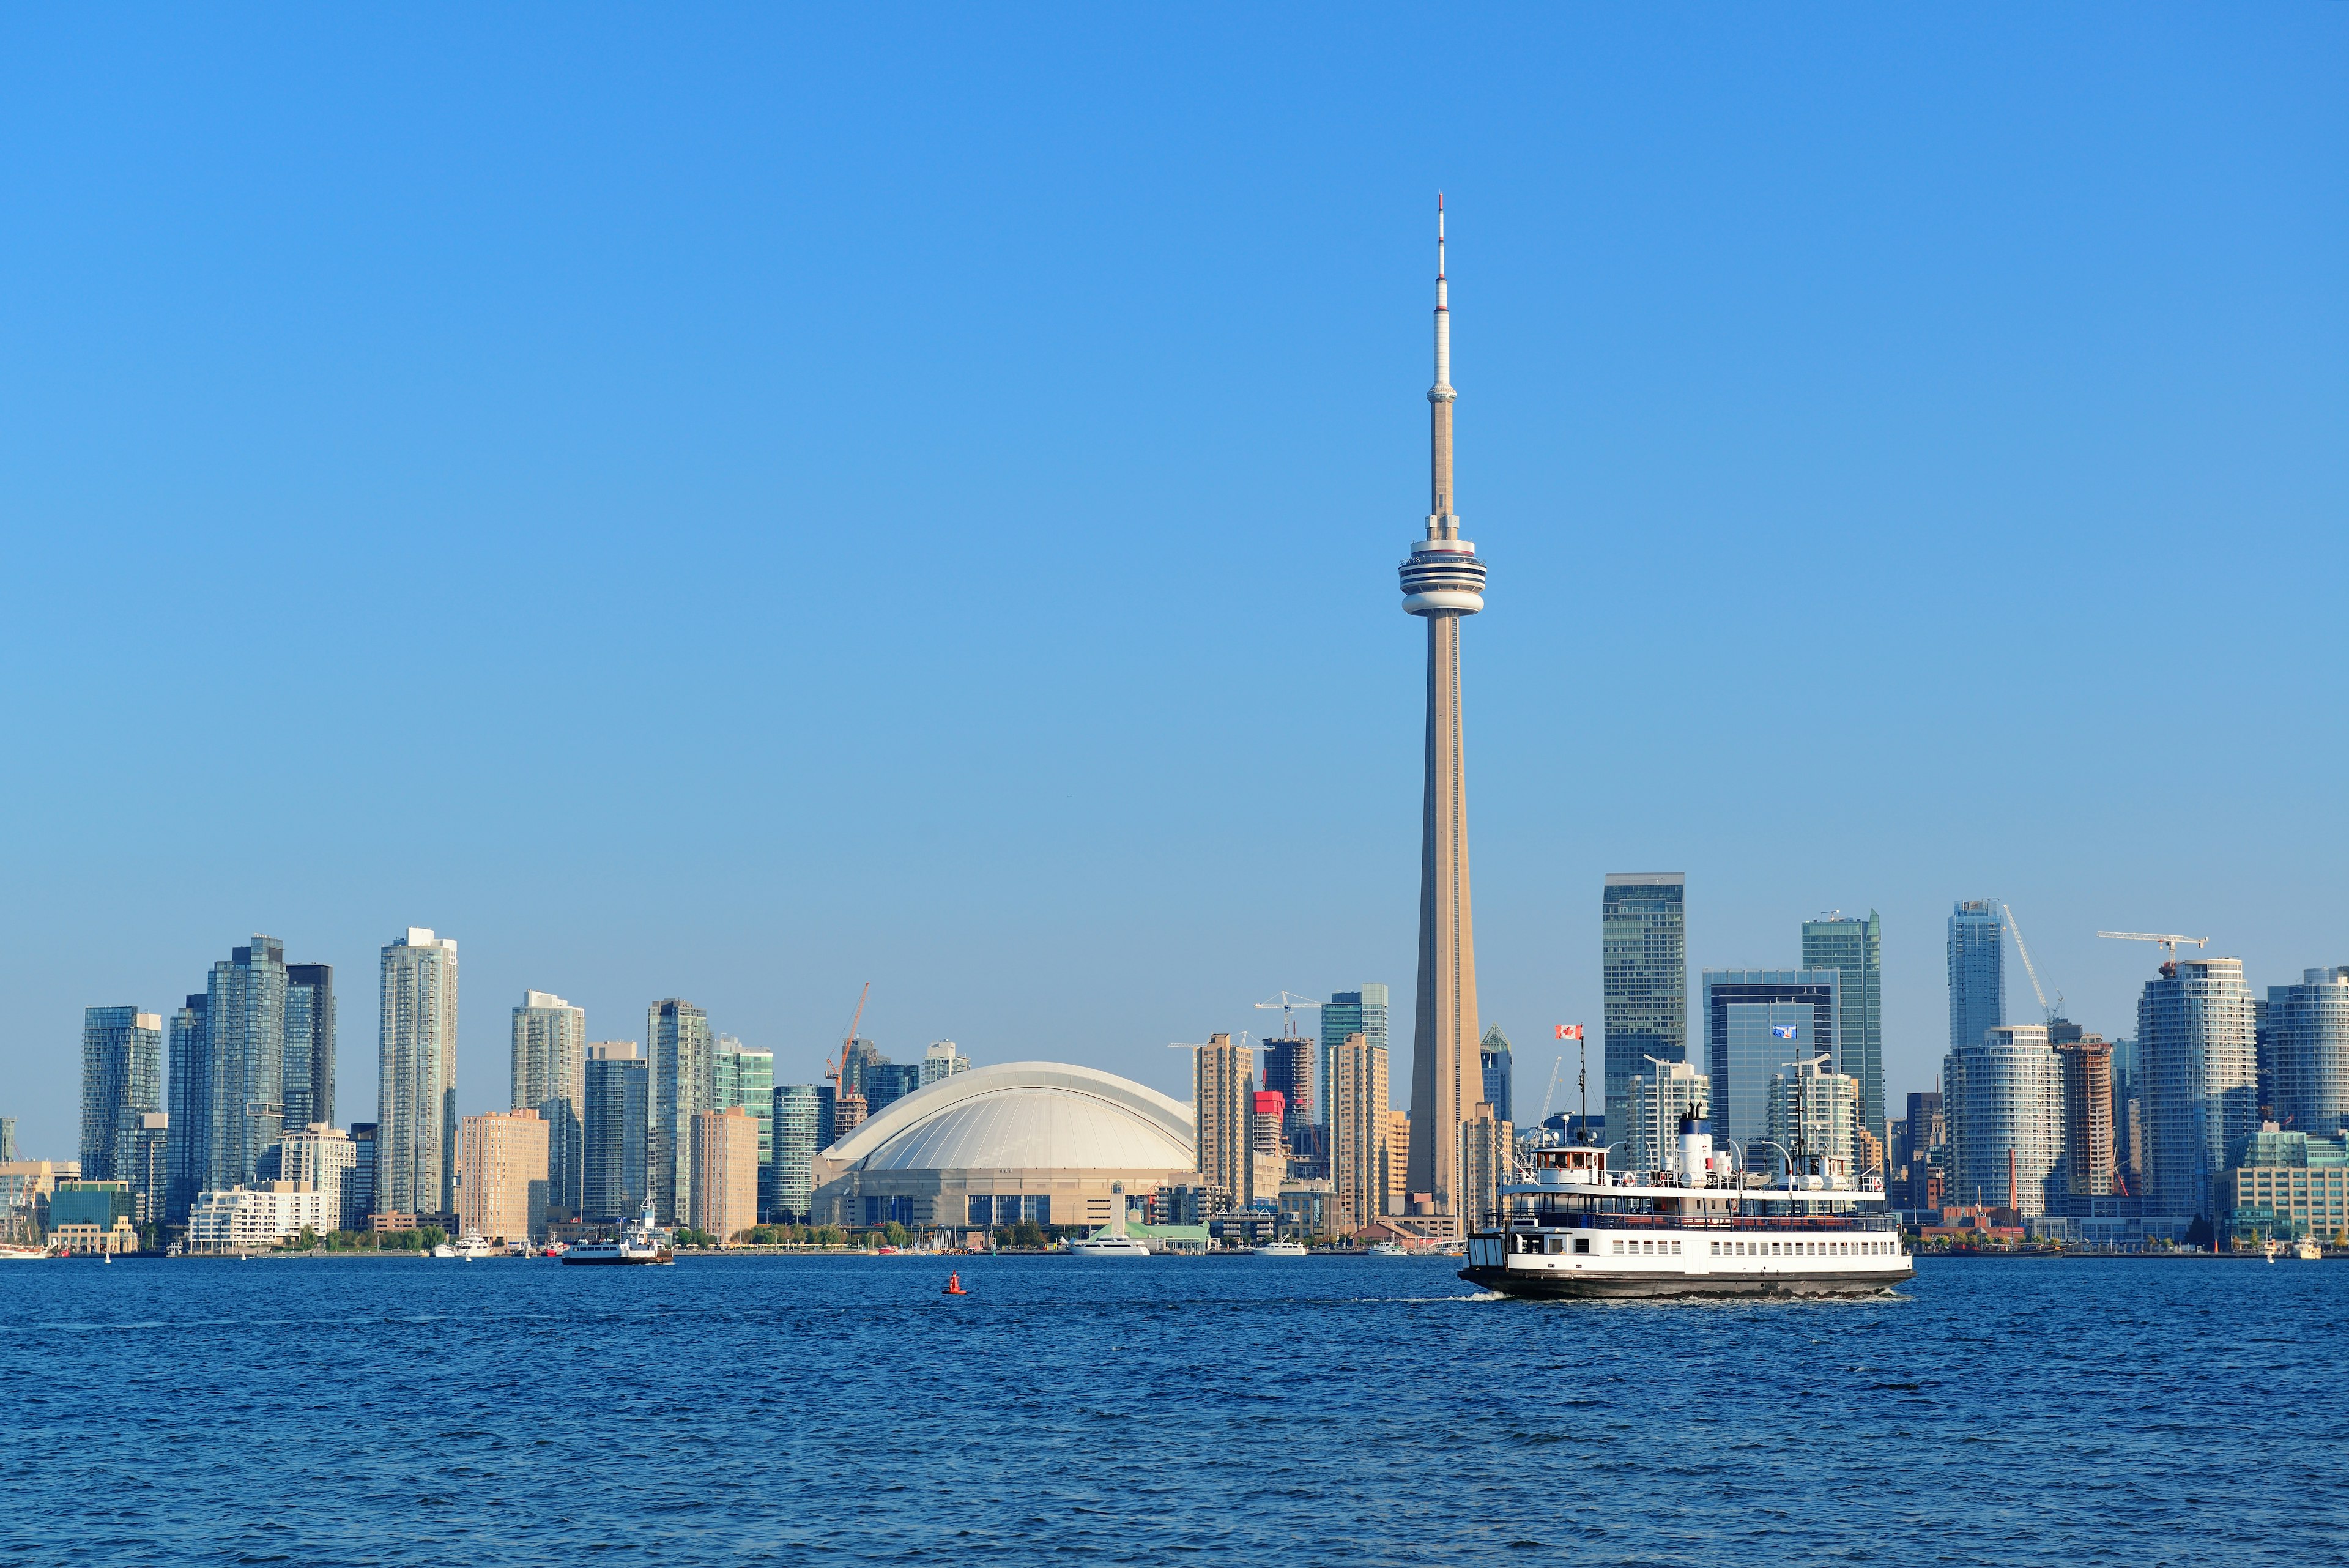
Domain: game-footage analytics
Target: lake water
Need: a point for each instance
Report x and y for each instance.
(1212, 1411)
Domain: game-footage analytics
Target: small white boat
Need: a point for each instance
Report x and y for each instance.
(1280, 1249)
(2270, 1251)
(1387, 1250)
(1110, 1240)
(442, 1250)
(2310, 1251)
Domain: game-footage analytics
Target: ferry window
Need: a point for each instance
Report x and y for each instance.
(1618, 1244)
(1582, 1243)
(1676, 1246)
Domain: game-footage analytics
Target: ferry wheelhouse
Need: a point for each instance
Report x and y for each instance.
(1698, 1228)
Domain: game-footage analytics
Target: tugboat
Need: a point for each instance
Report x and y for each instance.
(1698, 1228)
(640, 1243)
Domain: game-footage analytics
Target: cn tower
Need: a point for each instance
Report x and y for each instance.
(1441, 582)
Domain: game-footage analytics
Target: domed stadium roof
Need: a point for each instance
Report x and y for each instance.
(1023, 1115)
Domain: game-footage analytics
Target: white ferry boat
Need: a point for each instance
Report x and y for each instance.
(640, 1243)
(1698, 1229)
(1281, 1249)
(1112, 1239)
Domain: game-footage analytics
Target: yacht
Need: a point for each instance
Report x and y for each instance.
(10, 1253)
(1387, 1250)
(1280, 1249)
(471, 1246)
(1698, 1228)
(1110, 1240)
(640, 1243)
(2309, 1249)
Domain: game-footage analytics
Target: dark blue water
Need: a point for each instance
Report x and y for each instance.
(1227, 1411)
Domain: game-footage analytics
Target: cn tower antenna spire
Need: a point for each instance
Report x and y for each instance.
(1441, 522)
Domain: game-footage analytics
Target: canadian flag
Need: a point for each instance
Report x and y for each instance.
(1569, 1031)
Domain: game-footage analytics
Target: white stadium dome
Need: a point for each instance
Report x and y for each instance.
(1047, 1137)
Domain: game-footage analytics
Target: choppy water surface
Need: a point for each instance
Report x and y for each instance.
(1226, 1411)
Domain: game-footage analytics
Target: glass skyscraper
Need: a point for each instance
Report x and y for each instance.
(1757, 1020)
(309, 1043)
(416, 1082)
(2308, 1025)
(2003, 1097)
(1362, 1012)
(236, 1078)
(121, 1078)
(549, 1076)
(2195, 1052)
(617, 1117)
(1855, 948)
(685, 1074)
(190, 1095)
(1643, 973)
(747, 1078)
(801, 1113)
(1977, 971)
(1493, 1054)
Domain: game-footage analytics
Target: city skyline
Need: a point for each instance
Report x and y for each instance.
(1767, 383)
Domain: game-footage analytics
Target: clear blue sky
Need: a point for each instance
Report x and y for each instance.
(739, 504)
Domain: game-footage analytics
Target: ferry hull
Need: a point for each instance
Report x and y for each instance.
(1588, 1284)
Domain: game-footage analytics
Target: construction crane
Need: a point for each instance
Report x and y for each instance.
(1286, 1003)
(2169, 943)
(2053, 1010)
(840, 1063)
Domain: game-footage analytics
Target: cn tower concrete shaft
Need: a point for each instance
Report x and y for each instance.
(1442, 581)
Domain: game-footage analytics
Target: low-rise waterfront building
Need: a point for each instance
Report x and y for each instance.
(94, 1217)
(254, 1218)
(2289, 1185)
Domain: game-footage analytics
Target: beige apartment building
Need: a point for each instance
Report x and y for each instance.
(502, 1176)
(1358, 1116)
(1398, 1186)
(725, 1171)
